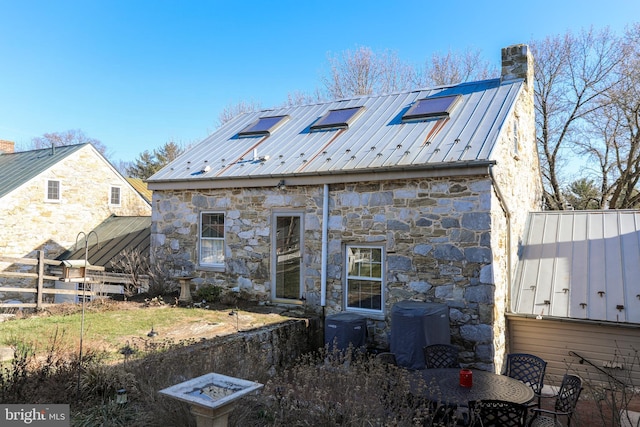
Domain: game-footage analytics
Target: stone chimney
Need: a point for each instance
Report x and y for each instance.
(7, 147)
(517, 63)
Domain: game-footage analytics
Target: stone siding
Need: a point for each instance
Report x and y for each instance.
(436, 233)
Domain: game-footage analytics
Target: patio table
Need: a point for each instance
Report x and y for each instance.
(443, 386)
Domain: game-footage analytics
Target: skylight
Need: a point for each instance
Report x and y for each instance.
(427, 108)
(337, 119)
(263, 126)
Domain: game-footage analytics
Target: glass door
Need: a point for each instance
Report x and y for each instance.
(287, 257)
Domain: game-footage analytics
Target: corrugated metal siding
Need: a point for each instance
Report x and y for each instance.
(377, 138)
(19, 168)
(601, 344)
(582, 265)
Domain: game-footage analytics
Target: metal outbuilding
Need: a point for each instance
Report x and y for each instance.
(576, 297)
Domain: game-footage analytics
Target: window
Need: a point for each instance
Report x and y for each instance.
(287, 257)
(365, 276)
(337, 119)
(436, 107)
(263, 126)
(53, 191)
(114, 196)
(211, 239)
(516, 143)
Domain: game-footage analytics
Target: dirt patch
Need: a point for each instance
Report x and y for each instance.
(225, 321)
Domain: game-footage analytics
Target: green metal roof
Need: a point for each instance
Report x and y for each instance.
(19, 168)
(114, 234)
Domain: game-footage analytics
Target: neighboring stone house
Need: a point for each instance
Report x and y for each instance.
(356, 204)
(49, 196)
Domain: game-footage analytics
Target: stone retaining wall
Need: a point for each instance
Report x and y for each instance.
(255, 355)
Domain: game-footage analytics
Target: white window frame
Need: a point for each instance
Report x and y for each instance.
(119, 202)
(274, 255)
(46, 191)
(202, 239)
(381, 279)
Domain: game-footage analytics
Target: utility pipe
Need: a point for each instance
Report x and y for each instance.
(325, 244)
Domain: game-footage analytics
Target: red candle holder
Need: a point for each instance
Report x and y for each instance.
(466, 378)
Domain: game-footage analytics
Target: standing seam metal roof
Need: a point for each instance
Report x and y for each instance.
(377, 138)
(580, 265)
(21, 167)
(115, 234)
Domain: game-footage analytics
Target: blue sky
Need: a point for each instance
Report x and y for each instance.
(135, 74)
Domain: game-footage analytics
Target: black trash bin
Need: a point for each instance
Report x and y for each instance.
(414, 325)
(342, 329)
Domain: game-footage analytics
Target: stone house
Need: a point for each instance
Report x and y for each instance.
(356, 204)
(48, 196)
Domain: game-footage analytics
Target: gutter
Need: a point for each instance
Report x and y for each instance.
(325, 244)
(462, 168)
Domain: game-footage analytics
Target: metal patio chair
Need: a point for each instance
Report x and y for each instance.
(497, 413)
(441, 356)
(565, 405)
(529, 369)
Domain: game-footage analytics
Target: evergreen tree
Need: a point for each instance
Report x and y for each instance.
(149, 163)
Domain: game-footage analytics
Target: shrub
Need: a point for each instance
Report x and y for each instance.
(208, 293)
(336, 389)
(154, 278)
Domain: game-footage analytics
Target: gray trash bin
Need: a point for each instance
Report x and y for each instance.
(414, 325)
(342, 329)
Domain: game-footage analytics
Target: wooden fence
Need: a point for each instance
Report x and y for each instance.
(99, 281)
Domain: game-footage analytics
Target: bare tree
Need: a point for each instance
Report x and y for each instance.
(455, 67)
(135, 264)
(365, 72)
(616, 149)
(233, 110)
(69, 137)
(572, 76)
(122, 166)
(300, 98)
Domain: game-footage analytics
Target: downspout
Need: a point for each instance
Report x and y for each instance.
(325, 244)
(507, 214)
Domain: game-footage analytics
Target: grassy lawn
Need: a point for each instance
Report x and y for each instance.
(111, 328)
